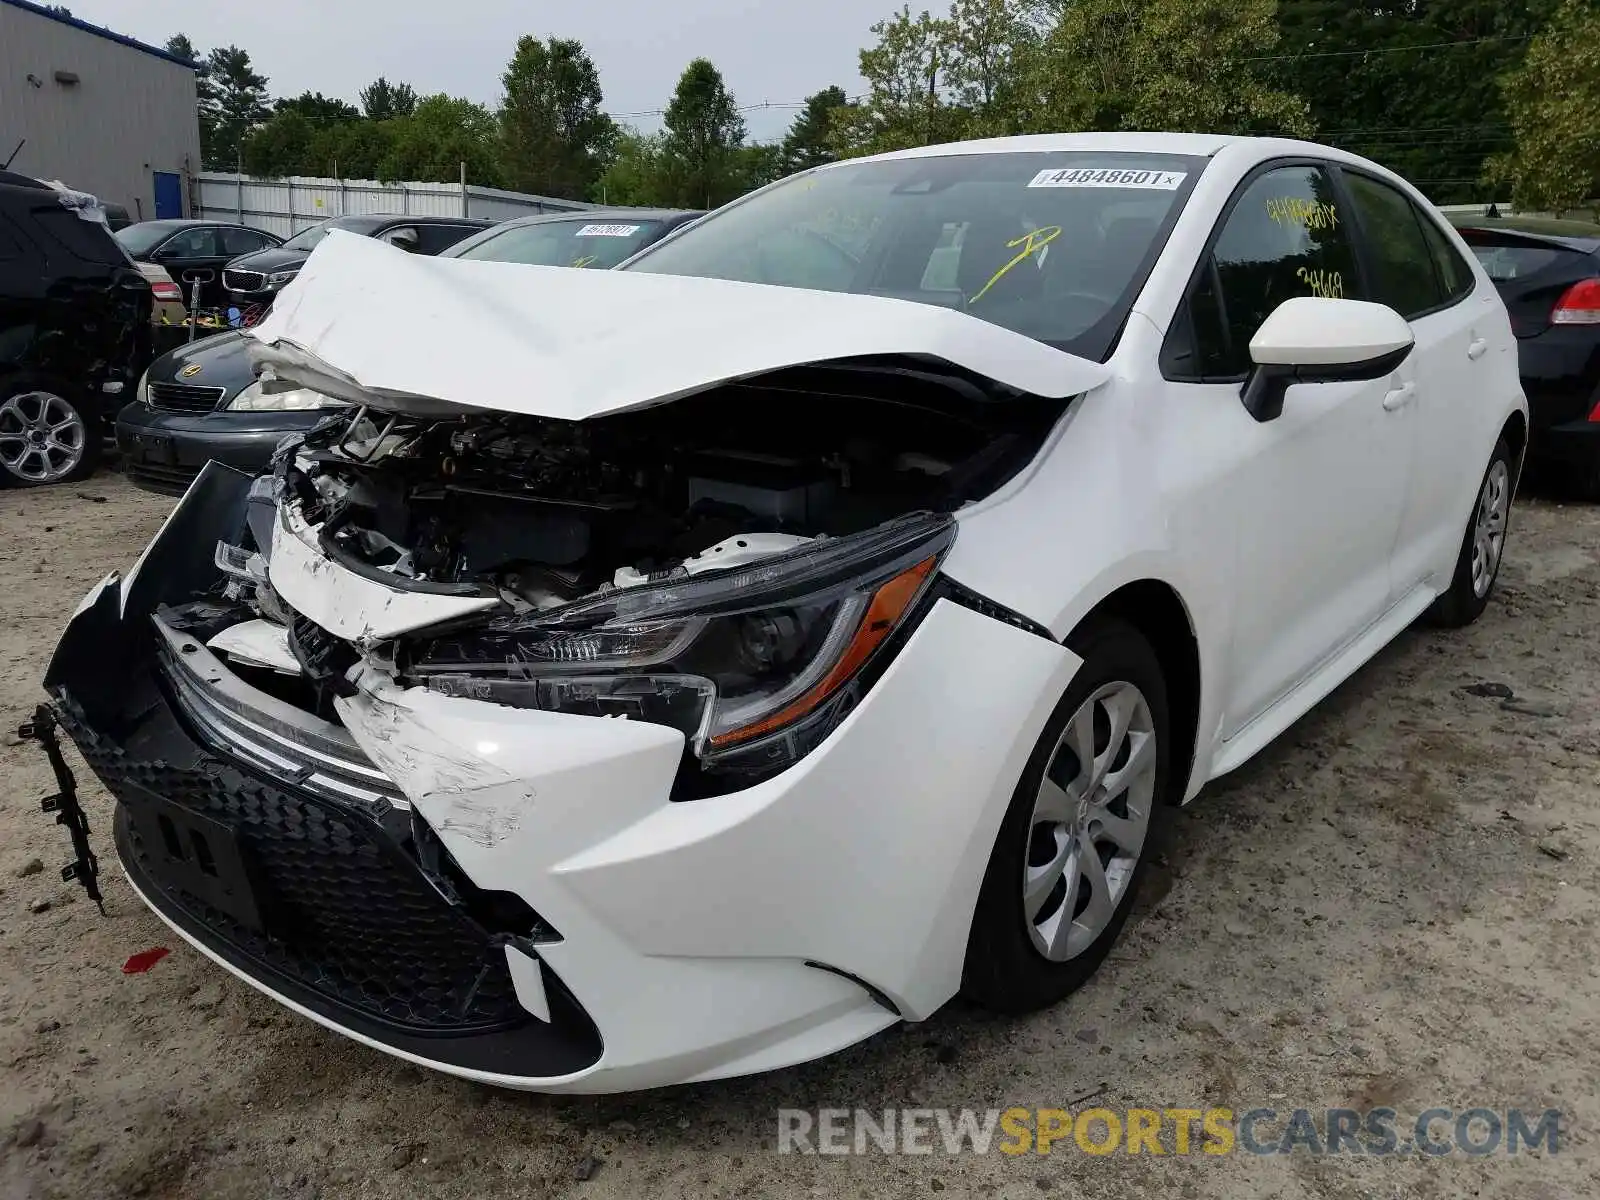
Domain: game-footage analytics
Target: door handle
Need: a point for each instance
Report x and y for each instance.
(1399, 397)
(1477, 349)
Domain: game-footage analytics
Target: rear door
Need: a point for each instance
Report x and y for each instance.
(1416, 271)
(195, 255)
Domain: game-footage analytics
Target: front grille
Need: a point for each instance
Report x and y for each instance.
(345, 912)
(243, 281)
(158, 477)
(268, 733)
(185, 397)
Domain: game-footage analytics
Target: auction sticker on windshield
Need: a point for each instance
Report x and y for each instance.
(1103, 177)
(608, 231)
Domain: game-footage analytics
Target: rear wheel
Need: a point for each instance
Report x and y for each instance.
(46, 435)
(1072, 849)
(1483, 547)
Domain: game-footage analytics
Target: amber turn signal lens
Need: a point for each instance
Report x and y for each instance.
(889, 604)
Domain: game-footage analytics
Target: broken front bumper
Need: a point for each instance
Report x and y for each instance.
(513, 896)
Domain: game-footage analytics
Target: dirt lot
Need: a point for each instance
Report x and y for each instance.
(1395, 905)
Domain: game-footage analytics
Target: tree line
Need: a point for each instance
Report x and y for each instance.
(1463, 97)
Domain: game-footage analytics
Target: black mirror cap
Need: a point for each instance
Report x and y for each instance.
(1264, 391)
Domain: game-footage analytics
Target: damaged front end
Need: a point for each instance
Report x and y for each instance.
(264, 692)
(664, 565)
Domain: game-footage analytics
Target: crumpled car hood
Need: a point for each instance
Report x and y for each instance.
(368, 323)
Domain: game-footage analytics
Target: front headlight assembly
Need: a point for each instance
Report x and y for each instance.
(755, 664)
(255, 398)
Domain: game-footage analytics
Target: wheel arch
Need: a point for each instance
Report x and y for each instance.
(1157, 611)
(1515, 432)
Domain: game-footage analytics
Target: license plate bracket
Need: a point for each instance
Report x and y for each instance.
(199, 855)
(157, 447)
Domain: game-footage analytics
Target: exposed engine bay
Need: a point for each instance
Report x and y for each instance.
(544, 512)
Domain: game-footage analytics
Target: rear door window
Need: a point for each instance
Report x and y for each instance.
(441, 237)
(1403, 274)
(194, 243)
(236, 241)
(1454, 274)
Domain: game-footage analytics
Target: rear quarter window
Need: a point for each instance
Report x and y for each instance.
(87, 241)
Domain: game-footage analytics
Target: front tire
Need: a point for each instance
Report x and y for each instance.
(1075, 840)
(47, 434)
(1483, 547)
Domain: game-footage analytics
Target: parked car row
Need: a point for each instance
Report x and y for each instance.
(74, 333)
(198, 403)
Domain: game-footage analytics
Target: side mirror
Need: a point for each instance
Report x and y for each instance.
(406, 239)
(1310, 339)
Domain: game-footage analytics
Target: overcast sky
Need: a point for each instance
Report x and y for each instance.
(767, 50)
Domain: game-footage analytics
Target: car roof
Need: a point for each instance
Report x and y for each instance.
(371, 222)
(188, 223)
(1197, 145)
(602, 215)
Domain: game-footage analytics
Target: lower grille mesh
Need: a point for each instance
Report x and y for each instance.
(347, 912)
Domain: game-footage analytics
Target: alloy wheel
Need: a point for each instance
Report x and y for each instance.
(1489, 528)
(42, 437)
(1089, 821)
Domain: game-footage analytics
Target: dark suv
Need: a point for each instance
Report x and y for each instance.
(74, 332)
(256, 279)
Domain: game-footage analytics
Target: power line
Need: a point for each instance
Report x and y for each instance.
(1385, 49)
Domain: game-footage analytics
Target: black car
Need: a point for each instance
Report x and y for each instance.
(74, 331)
(194, 252)
(198, 402)
(1548, 273)
(254, 281)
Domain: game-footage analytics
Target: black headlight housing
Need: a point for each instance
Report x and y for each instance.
(754, 664)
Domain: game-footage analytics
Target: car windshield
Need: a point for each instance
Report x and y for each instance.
(141, 239)
(1052, 245)
(307, 239)
(575, 243)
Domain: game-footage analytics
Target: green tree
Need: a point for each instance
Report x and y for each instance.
(282, 146)
(1192, 65)
(909, 99)
(1551, 99)
(383, 101)
(445, 131)
(205, 90)
(636, 173)
(758, 164)
(60, 10)
(703, 136)
(557, 141)
(1410, 83)
(314, 106)
(239, 104)
(989, 51)
(807, 143)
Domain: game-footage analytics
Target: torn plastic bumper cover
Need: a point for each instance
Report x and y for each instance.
(265, 837)
(515, 895)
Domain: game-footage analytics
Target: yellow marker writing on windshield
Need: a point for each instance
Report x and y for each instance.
(1031, 242)
(585, 261)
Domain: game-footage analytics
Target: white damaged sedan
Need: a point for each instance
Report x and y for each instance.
(682, 671)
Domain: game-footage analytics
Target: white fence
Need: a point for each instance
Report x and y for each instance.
(286, 206)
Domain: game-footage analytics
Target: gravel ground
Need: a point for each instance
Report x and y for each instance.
(1393, 905)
